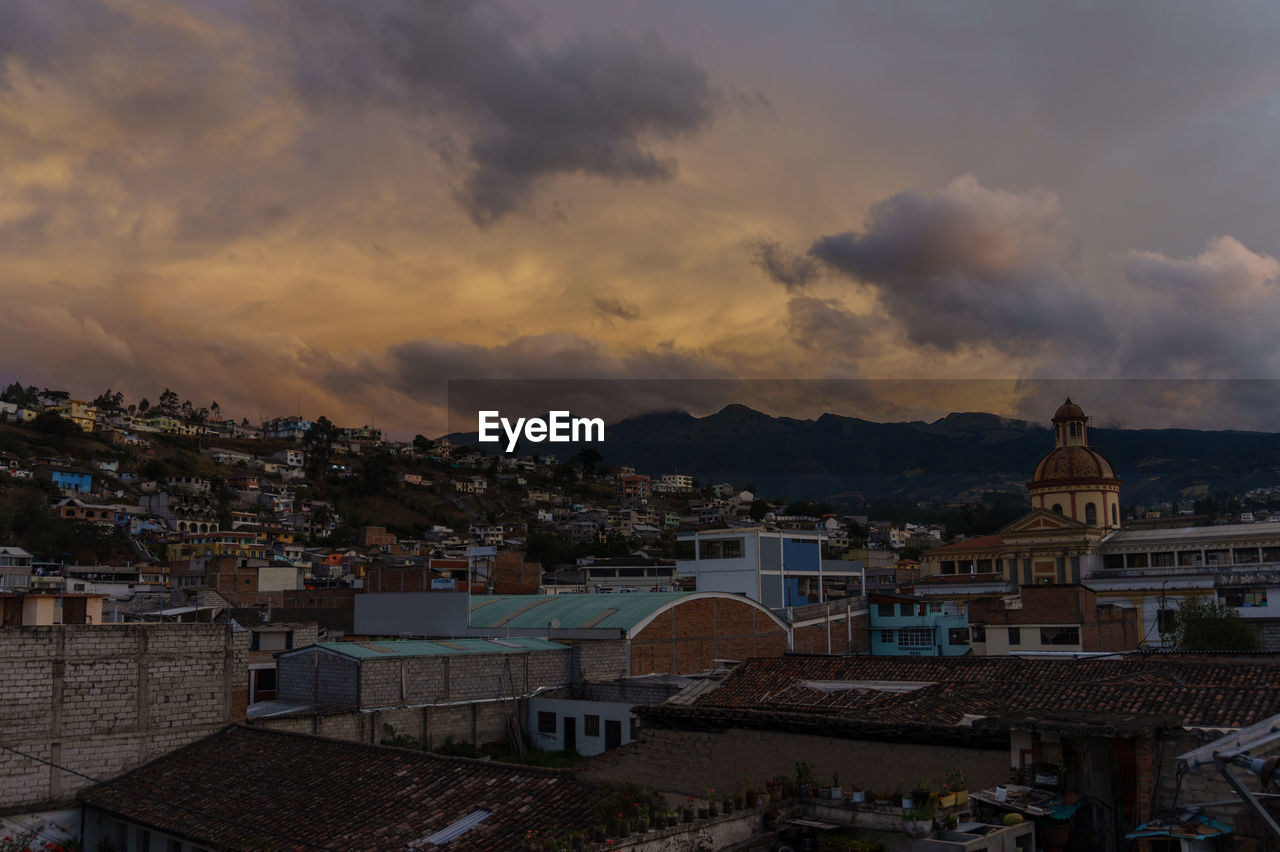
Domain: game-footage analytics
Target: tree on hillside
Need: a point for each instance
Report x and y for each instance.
(108, 401)
(168, 404)
(589, 457)
(54, 397)
(144, 405)
(1208, 624)
(48, 423)
(759, 508)
(318, 444)
(423, 444)
(20, 396)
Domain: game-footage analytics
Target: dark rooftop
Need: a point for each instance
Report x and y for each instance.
(252, 789)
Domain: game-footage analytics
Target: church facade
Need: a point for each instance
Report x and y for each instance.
(1073, 535)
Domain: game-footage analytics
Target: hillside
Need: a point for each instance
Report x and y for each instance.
(844, 459)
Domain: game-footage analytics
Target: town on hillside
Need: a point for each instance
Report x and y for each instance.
(201, 616)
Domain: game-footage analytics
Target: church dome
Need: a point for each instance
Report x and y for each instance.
(1074, 463)
(1068, 411)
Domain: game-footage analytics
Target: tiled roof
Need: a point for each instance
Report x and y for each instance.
(982, 542)
(1204, 692)
(252, 789)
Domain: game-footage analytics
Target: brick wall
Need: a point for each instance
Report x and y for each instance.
(102, 699)
(722, 759)
(688, 638)
(833, 637)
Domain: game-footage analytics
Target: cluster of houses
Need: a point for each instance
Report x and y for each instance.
(334, 687)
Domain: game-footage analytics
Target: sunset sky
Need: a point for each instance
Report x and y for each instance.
(336, 206)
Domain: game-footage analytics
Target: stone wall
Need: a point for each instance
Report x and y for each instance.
(724, 759)
(102, 699)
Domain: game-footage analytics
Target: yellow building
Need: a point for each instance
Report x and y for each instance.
(81, 413)
(1074, 479)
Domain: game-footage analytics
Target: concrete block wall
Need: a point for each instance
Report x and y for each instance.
(724, 759)
(313, 676)
(600, 660)
(460, 677)
(475, 724)
(102, 699)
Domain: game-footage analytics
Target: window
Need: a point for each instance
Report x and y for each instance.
(591, 725)
(1115, 516)
(915, 637)
(887, 637)
(1015, 635)
(546, 722)
(1059, 635)
(1057, 507)
(907, 610)
(1075, 429)
(958, 636)
(728, 548)
(633, 729)
(175, 846)
(978, 633)
(884, 610)
(1165, 619)
(1091, 514)
(255, 641)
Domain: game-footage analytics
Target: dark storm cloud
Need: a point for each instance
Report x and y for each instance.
(1210, 316)
(793, 271)
(967, 266)
(611, 308)
(826, 325)
(593, 106)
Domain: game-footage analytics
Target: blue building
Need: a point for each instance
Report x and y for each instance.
(902, 625)
(71, 480)
(778, 568)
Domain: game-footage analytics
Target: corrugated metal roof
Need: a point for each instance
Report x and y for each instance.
(432, 648)
(619, 611)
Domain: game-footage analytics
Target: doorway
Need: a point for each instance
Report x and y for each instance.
(571, 733)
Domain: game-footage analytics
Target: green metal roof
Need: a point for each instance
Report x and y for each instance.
(619, 611)
(438, 647)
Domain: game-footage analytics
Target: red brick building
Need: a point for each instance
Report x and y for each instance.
(1064, 617)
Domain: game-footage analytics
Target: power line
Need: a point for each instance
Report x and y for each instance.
(169, 804)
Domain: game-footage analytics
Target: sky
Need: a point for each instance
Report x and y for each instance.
(326, 207)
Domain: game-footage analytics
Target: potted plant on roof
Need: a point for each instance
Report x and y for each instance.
(642, 817)
(804, 778)
(918, 821)
(856, 792)
(750, 794)
(835, 791)
(957, 784)
(688, 810)
(920, 793)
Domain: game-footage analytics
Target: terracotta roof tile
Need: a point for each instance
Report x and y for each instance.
(252, 789)
(1201, 692)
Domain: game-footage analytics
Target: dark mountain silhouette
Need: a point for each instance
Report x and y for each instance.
(841, 459)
